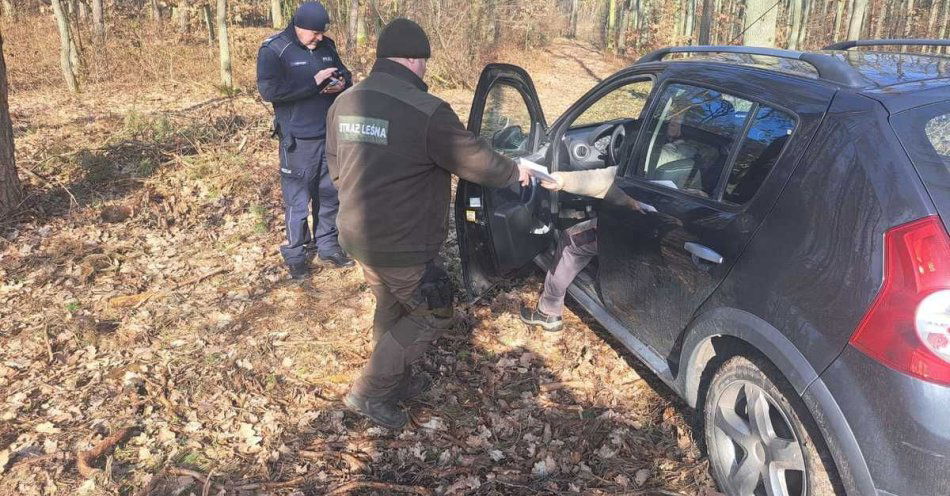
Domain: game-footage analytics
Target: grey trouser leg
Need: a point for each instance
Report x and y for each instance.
(304, 179)
(580, 247)
(409, 331)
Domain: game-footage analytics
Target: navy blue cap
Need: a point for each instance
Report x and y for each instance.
(312, 16)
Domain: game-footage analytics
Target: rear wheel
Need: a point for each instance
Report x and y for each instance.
(758, 436)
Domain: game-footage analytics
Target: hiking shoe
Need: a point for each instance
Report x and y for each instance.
(380, 410)
(299, 272)
(417, 384)
(338, 259)
(535, 317)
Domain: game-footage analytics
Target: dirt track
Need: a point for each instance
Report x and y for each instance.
(145, 290)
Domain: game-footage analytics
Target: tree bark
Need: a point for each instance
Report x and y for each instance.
(223, 48)
(98, 20)
(622, 28)
(611, 29)
(839, 17)
(66, 58)
(209, 23)
(10, 190)
(572, 30)
(946, 23)
(276, 14)
(794, 23)
(353, 27)
(909, 19)
(184, 16)
(705, 24)
(856, 24)
(690, 20)
(761, 20)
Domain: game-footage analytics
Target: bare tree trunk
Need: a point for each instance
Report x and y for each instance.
(622, 28)
(803, 29)
(761, 20)
(276, 14)
(705, 22)
(690, 20)
(184, 16)
(9, 10)
(66, 58)
(909, 19)
(946, 23)
(98, 20)
(83, 10)
(795, 22)
(856, 24)
(572, 30)
(10, 190)
(839, 17)
(353, 20)
(877, 21)
(223, 47)
(209, 23)
(610, 34)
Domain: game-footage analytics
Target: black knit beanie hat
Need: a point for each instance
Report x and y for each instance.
(403, 38)
(312, 16)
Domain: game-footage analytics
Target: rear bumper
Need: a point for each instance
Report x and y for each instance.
(901, 424)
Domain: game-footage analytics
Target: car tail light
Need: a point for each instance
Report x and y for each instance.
(907, 326)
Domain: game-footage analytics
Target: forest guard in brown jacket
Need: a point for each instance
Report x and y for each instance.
(392, 149)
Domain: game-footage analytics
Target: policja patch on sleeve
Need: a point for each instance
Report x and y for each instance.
(364, 129)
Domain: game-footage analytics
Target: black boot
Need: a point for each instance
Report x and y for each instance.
(380, 410)
(535, 317)
(338, 259)
(299, 272)
(417, 384)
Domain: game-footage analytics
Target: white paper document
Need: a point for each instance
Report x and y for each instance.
(537, 170)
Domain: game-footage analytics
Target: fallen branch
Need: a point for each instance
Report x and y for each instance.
(379, 486)
(84, 459)
(195, 280)
(50, 182)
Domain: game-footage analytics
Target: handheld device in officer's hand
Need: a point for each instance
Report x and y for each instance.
(335, 79)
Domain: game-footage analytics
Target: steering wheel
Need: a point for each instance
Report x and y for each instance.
(617, 144)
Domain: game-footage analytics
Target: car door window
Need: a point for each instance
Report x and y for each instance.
(506, 122)
(689, 137)
(625, 102)
(760, 150)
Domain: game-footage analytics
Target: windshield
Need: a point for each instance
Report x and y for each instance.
(925, 134)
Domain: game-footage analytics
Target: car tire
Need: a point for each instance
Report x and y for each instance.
(759, 433)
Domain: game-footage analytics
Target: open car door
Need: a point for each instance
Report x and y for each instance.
(502, 229)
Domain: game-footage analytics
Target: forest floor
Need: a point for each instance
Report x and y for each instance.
(150, 342)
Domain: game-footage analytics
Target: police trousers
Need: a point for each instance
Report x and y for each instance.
(413, 308)
(306, 185)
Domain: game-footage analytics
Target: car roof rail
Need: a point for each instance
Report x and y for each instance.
(845, 45)
(829, 68)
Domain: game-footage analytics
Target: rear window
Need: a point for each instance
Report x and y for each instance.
(925, 134)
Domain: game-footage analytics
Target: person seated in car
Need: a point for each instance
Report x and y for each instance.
(578, 243)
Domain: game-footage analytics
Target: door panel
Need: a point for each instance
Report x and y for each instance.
(502, 229)
(656, 269)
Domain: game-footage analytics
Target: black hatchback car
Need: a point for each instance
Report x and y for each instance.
(793, 284)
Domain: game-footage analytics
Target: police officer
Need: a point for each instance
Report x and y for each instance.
(301, 74)
(392, 149)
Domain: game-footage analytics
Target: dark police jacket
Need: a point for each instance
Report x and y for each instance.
(392, 149)
(285, 71)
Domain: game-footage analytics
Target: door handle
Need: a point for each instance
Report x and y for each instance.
(702, 252)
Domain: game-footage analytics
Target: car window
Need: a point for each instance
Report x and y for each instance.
(925, 133)
(689, 137)
(770, 130)
(624, 102)
(506, 121)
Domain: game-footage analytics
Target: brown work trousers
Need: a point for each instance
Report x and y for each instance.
(403, 328)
